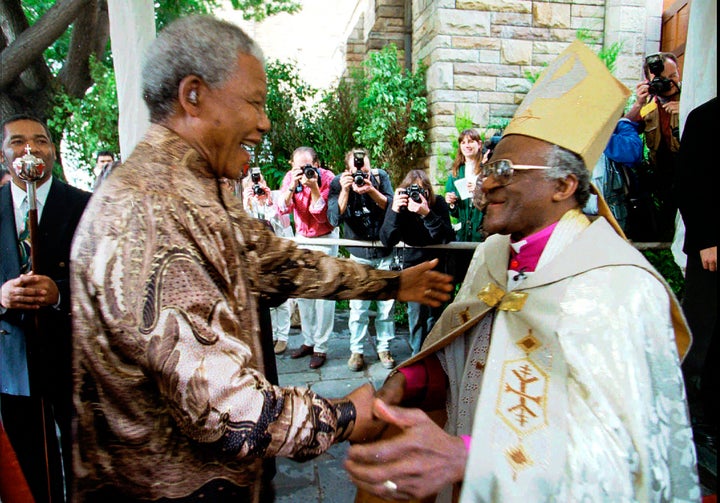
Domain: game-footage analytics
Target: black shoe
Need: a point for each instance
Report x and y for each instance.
(317, 360)
(302, 351)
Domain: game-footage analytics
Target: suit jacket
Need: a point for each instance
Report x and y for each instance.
(61, 214)
(696, 179)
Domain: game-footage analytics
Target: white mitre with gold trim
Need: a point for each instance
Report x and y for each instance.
(576, 104)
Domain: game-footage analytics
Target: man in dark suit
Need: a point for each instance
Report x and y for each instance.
(696, 182)
(35, 312)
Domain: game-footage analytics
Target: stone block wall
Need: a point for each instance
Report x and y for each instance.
(478, 52)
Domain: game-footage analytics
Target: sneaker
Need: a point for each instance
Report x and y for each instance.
(317, 360)
(280, 347)
(302, 351)
(356, 362)
(386, 359)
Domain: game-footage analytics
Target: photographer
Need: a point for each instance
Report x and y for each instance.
(658, 110)
(262, 203)
(304, 192)
(418, 218)
(359, 197)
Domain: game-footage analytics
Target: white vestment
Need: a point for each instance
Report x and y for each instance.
(580, 395)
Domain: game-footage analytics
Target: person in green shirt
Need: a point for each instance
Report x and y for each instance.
(467, 164)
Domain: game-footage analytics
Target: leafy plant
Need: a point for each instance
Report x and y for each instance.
(289, 108)
(42, 32)
(665, 264)
(392, 113)
(336, 122)
(89, 124)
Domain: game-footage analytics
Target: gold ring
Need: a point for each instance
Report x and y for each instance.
(390, 485)
(428, 291)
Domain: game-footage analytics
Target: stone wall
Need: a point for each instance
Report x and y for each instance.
(478, 52)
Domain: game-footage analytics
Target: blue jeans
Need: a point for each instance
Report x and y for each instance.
(359, 319)
(421, 319)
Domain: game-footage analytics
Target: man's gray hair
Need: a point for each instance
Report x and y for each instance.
(195, 45)
(565, 163)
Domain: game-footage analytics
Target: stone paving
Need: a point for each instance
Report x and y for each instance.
(323, 479)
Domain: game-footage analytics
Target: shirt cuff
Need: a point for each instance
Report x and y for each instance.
(56, 306)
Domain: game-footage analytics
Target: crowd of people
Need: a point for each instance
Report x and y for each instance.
(140, 326)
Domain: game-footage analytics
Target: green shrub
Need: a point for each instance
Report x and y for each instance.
(665, 264)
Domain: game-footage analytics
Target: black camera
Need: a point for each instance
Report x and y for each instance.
(363, 215)
(414, 192)
(358, 159)
(359, 177)
(659, 84)
(255, 177)
(309, 171)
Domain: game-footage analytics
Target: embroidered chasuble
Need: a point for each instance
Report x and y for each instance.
(559, 362)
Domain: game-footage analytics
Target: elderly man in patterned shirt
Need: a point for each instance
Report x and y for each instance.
(172, 398)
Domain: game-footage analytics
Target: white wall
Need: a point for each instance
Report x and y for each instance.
(314, 38)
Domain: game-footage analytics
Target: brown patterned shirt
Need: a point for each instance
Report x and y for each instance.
(167, 269)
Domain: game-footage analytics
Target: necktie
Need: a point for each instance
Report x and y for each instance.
(24, 245)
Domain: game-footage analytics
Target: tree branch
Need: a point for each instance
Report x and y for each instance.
(29, 45)
(90, 34)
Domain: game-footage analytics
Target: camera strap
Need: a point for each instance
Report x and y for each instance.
(376, 176)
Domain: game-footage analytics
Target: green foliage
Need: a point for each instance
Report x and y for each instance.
(392, 113)
(89, 124)
(496, 125)
(380, 107)
(665, 264)
(256, 10)
(336, 122)
(289, 108)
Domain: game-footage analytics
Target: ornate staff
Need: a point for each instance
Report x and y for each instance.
(30, 169)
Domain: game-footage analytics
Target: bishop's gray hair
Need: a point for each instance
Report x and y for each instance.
(194, 45)
(565, 163)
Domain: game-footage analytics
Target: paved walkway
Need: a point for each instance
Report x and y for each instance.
(323, 479)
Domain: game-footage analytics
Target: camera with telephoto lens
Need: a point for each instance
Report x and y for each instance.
(255, 177)
(413, 192)
(656, 65)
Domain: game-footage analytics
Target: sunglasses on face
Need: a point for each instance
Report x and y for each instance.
(504, 169)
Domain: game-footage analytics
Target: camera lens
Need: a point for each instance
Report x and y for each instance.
(359, 178)
(659, 85)
(309, 171)
(257, 190)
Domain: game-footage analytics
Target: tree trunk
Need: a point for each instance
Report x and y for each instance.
(25, 80)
